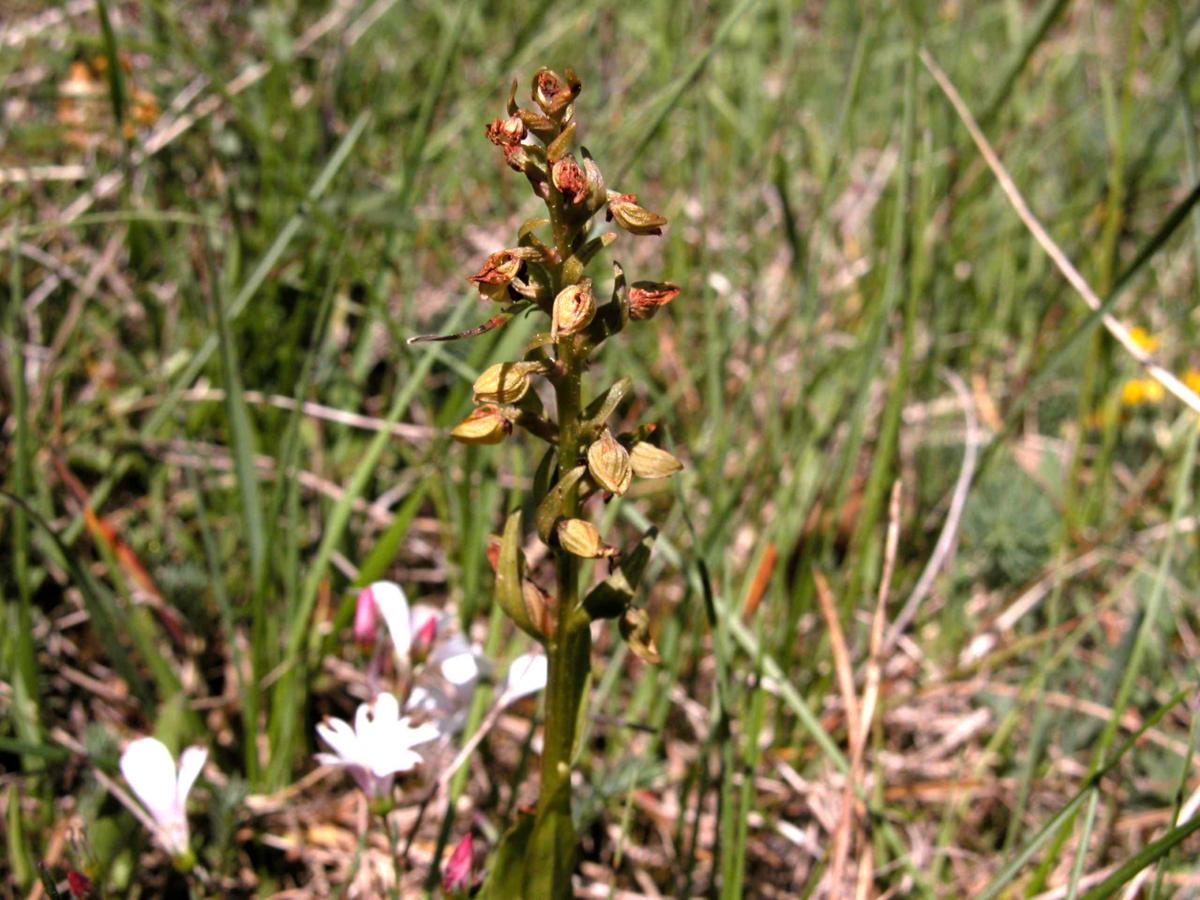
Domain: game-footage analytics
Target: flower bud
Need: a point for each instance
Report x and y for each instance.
(570, 180)
(506, 132)
(645, 298)
(574, 308)
(580, 538)
(609, 464)
(648, 461)
(506, 382)
(365, 618)
(459, 874)
(497, 273)
(624, 210)
(422, 641)
(485, 425)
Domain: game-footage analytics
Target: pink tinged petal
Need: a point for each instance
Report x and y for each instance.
(150, 771)
(190, 763)
(366, 618)
(526, 675)
(393, 606)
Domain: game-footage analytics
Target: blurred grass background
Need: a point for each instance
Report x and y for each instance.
(213, 212)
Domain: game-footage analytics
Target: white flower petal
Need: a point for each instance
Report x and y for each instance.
(386, 710)
(458, 662)
(526, 675)
(191, 761)
(340, 737)
(150, 770)
(393, 606)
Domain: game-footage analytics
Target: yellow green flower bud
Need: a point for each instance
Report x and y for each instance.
(486, 424)
(624, 210)
(574, 308)
(648, 461)
(580, 538)
(609, 464)
(506, 382)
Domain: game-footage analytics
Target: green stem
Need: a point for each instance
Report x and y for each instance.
(569, 647)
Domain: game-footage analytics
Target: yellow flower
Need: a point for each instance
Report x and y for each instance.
(1138, 391)
(1192, 379)
(1143, 338)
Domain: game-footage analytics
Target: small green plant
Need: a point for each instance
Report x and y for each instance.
(585, 458)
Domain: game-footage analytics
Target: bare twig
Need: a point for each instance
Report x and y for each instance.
(845, 675)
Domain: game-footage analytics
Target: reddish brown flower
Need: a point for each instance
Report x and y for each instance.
(496, 275)
(506, 132)
(570, 180)
(645, 298)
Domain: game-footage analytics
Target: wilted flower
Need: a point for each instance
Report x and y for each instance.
(551, 94)
(570, 180)
(646, 297)
(608, 462)
(497, 274)
(377, 748)
(574, 308)
(150, 770)
(486, 424)
(648, 461)
(624, 210)
(506, 132)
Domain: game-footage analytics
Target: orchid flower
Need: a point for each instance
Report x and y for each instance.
(150, 770)
(379, 746)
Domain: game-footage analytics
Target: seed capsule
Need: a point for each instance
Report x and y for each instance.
(624, 210)
(609, 464)
(645, 298)
(580, 538)
(574, 308)
(648, 461)
(506, 382)
(486, 424)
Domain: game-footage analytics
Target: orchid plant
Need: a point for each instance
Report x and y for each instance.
(588, 456)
